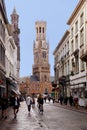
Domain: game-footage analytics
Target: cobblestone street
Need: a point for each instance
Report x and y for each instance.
(55, 117)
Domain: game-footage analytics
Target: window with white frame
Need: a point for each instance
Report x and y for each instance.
(77, 64)
(82, 65)
(81, 19)
(72, 46)
(76, 42)
(76, 26)
(72, 33)
(82, 36)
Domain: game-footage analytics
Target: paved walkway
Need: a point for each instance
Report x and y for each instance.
(80, 109)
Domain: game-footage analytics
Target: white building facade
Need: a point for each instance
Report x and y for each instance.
(61, 68)
(78, 47)
(77, 60)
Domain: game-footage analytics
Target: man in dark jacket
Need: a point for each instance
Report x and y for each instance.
(40, 102)
(16, 104)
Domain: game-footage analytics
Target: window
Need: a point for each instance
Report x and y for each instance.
(76, 42)
(72, 46)
(81, 19)
(44, 54)
(82, 36)
(76, 27)
(39, 29)
(82, 65)
(2, 54)
(43, 29)
(77, 64)
(45, 78)
(2, 31)
(72, 33)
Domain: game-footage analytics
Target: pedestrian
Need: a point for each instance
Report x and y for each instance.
(33, 102)
(61, 99)
(45, 98)
(16, 104)
(40, 101)
(65, 100)
(53, 99)
(75, 99)
(29, 102)
(4, 106)
(49, 98)
(71, 100)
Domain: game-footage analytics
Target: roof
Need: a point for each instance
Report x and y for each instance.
(79, 5)
(34, 78)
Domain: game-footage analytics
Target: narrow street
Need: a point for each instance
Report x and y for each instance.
(54, 118)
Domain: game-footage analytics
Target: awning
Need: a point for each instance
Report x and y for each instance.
(18, 92)
(14, 91)
(2, 86)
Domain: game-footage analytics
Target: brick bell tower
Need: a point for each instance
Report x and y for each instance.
(16, 32)
(41, 67)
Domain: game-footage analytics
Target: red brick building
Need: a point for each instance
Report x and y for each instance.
(29, 86)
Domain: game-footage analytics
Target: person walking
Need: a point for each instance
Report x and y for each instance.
(33, 102)
(16, 104)
(71, 100)
(40, 101)
(4, 106)
(29, 102)
(75, 100)
(61, 99)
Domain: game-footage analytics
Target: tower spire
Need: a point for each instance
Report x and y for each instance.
(14, 10)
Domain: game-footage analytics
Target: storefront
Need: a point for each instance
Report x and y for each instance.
(2, 84)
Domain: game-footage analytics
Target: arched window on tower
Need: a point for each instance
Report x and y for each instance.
(45, 78)
(39, 29)
(43, 29)
(44, 54)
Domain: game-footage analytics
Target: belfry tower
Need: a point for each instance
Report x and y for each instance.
(41, 67)
(16, 32)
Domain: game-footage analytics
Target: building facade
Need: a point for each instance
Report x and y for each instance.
(61, 66)
(3, 22)
(8, 55)
(77, 52)
(15, 34)
(28, 85)
(78, 43)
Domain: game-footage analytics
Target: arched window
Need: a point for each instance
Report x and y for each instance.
(43, 29)
(39, 29)
(45, 78)
(44, 54)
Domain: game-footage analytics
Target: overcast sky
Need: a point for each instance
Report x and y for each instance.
(55, 12)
